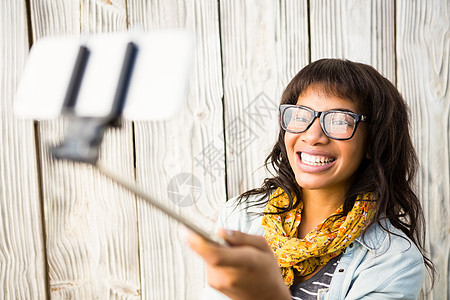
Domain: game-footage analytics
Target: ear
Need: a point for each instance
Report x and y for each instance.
(368, 154)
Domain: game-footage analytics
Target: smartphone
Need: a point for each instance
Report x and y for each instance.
(156, 90)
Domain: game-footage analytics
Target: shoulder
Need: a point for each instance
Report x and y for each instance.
(383, 239)
(385, 263)
(242, 216)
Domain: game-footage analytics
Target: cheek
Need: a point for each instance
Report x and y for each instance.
(289, 139)
(359, 145)
(354, 156)
(289, 142)
(363, 141)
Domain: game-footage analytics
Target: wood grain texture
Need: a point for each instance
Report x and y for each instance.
(103, 16)
(264, 44)
(423, 43)
(22, 247)
(182, 156)
(61, 18)
(102, 242)
(358, 30)
(91, 223)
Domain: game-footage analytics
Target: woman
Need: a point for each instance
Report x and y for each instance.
(340, 216)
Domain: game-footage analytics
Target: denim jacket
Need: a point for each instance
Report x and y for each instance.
(376, 265)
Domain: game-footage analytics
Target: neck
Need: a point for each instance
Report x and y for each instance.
(322, 202)
(318, 205)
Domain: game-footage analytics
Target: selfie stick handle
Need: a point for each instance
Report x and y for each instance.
(132, 187)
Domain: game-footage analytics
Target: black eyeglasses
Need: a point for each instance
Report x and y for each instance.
(336, 124)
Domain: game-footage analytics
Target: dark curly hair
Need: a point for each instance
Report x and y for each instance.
(391, 169)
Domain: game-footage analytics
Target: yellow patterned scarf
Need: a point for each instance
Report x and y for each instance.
(325, 241)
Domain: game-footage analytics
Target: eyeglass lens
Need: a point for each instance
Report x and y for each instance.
(338, 125)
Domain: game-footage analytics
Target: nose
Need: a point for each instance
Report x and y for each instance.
(314, 135)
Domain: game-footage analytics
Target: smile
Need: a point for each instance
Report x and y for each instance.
(315, 160)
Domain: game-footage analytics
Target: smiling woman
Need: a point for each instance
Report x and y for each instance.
(340, 217)
(321, 155)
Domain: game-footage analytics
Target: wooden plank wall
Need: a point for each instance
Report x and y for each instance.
(68, 233)
(92, 245)
(22, 246)
(185, 151)
(423, 46)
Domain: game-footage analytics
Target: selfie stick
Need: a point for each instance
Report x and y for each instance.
(83, 140)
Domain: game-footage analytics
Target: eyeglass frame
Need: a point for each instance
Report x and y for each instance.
(320, 114)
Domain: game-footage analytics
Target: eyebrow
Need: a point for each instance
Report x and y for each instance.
(343, 110)
(336, 109)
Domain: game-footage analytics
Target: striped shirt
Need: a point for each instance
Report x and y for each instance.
(308, 289)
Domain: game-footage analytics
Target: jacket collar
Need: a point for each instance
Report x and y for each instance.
(374, 236)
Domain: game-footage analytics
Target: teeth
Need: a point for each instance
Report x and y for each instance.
(315, 160)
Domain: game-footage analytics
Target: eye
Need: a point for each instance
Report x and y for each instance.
(337, 122)
(301, 116)
(341, 119)
(340, 122)
(300, 119)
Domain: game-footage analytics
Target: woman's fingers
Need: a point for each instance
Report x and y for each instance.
(249, 247)
(213, 254)
(237, 238)
(205, 249)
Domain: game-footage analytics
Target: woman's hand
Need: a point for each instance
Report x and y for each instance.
(245, 270)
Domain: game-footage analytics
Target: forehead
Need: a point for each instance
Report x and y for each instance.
(316, 98)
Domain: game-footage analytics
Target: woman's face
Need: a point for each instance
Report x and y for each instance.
(318, 161)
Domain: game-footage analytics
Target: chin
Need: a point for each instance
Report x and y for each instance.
(316, 184)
